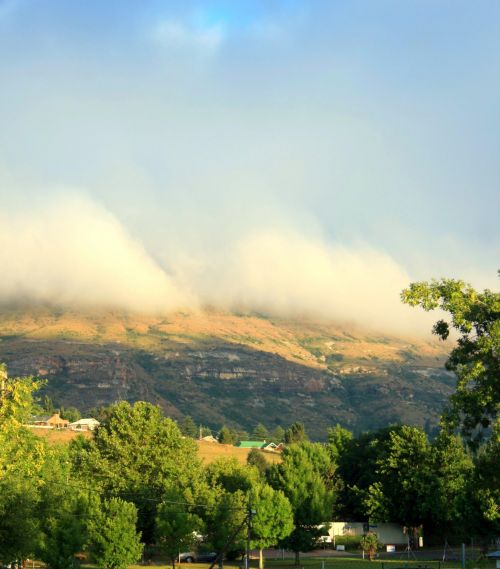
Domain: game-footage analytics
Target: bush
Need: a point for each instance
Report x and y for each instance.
(369, 544)
(351, 542)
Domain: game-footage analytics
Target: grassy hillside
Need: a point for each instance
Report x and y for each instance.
(227, 368)
(208, 452)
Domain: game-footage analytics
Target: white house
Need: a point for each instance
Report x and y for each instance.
(84, 425)
(386, 532)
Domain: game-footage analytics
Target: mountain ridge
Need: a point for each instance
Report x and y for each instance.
(238, 369)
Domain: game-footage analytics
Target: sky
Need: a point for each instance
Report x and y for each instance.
(283, 156)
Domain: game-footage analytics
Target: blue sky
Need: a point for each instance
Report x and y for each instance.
(197, 126)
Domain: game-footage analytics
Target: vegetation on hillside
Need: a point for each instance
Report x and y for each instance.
(224, 369)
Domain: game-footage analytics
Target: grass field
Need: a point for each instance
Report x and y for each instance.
(211, 451)
(344, 562)
(208, 452)
(55, 436)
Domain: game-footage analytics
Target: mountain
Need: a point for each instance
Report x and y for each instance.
(237, 369)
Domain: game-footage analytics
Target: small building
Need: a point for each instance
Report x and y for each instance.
(209, 439)
(50, 422)
(496, 556)
(273, 447)
(252, 444)
(89, 424)
(387, 533)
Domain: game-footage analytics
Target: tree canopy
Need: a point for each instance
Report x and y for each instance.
(475, 316)
(137, 454)
(304, 476)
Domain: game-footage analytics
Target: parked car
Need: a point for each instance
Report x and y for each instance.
(197, 557)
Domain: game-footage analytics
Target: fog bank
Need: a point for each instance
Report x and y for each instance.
(69, 250)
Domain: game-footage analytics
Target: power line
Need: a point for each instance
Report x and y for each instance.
(138, 495)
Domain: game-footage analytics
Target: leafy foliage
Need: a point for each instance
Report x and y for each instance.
(278, 435)
(476, 357)
(226, 436)
(338, 439)
(273, 519)
(304, 476)
(258, 460)
(115, 543)
(62, 512)
(369, 544)
(483, 504)
(188, 427)
(296, 433)
(260, 432)
(138, 453)
(22, 458)
(176, 525)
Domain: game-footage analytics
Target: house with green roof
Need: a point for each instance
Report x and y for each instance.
(252, 444)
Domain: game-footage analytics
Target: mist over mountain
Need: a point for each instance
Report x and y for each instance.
(70, 251)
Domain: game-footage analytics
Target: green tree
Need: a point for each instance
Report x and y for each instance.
(47, 405)
(358, 468)
(176, 525)
(476, 357)
(188, 427)
(205, 431)
(338, 440)
(71, 414)
(240, 435)
(453, 468)
(483, 503)
(395, 474)
(273, 519)
(22, 456)
(304, 476)
(16, 397)
(403, 493)
(369, 544)
(278, 435)
(226, 436)
(257, 459)
(230, 475)
(102, 414)
(63, 534)
(138, 454)
(61, 511)
(230, 483)
(19, 526)
(260, 432)
(296, 433)
(115, 543)
(224, 520)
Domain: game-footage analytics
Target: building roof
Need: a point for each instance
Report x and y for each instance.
(40, 418)
(209, 439)
(252, 444)
(89, 421)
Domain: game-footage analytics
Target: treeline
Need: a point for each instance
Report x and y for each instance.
(225, 435)
(139, 481)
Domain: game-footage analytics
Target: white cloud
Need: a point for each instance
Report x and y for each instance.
(72, 251)
(286, 273)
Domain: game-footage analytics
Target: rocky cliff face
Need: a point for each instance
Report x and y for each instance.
(219, 379)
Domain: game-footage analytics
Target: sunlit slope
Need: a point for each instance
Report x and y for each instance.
(227, 368)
